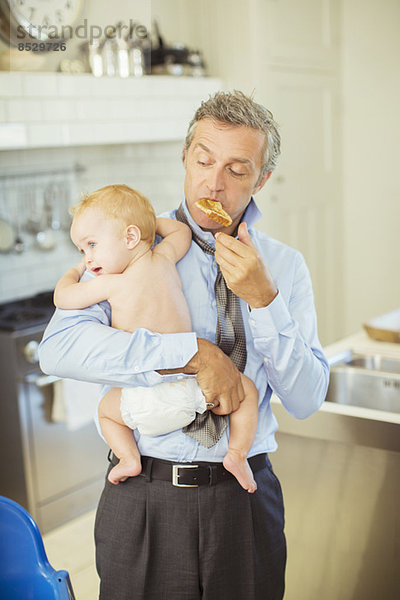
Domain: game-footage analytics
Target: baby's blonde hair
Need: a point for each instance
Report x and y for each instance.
(124, 204)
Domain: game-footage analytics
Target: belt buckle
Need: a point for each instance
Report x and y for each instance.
(175, 475)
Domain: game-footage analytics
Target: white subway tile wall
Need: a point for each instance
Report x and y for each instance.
(57, 109)
(153, 168)
(120, 130)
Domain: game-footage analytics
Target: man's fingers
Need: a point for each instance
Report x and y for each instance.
(212, 404)
(244, 235)
(218, 378)
(230, 400)
(224, 407)
(235, 255)
(228, 242)
(231, 272)
(224, 256)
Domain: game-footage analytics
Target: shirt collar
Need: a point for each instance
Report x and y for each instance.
(251, 215)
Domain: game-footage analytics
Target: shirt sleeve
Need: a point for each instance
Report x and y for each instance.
(80, 344)
(285, 334)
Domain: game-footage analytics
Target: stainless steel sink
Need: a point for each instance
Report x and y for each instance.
(366, 381)
(369, 389)
(373, 362)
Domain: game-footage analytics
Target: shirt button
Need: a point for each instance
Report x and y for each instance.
(214, 303)
(252, 322)
(136, 369)
(266, 360)
(180, 377)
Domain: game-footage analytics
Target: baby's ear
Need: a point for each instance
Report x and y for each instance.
(133, 236)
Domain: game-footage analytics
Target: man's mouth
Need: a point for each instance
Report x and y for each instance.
(214, 211)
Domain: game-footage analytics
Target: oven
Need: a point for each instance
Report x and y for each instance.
(56, 473)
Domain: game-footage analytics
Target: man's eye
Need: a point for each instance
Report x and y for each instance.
(236, 173)
(202, 163)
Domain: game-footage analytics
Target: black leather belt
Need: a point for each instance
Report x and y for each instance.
(191, 474)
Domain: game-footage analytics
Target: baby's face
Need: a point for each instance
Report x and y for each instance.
(102, 241)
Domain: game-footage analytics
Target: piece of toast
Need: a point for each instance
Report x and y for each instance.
(214, 211)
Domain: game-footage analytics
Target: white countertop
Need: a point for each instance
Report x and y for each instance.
(361, 343)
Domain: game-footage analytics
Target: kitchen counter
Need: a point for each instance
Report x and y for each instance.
(361, 342)
(340, 474)
(345, 423)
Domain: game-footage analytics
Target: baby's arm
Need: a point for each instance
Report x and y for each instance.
(70, 293)
(177, 238)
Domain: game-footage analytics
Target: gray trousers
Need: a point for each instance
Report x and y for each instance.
(155, 541)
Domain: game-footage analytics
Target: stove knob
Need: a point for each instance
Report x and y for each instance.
(31, 351)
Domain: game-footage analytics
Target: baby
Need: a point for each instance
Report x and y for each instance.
(114, 229)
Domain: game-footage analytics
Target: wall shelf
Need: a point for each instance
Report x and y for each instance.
(47, 110)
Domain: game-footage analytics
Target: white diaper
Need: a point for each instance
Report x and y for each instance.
(162, 408)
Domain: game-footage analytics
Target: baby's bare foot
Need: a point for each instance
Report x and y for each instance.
(237, 464)
(124, 469)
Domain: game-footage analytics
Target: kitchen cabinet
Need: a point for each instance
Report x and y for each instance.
(342, 518)
(340, 473)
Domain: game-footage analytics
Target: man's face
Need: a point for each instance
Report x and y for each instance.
(223, 163)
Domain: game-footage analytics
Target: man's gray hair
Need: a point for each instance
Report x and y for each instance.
(235, 108)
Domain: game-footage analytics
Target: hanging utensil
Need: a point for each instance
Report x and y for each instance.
(45, 237)
(7, 236)
(7, 232)
(19, 245)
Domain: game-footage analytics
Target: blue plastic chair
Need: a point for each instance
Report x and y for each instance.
(25, 572)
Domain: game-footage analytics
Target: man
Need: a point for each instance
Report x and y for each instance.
(192, 532)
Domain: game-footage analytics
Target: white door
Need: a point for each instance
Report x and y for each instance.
(297, 34)
(302, 200)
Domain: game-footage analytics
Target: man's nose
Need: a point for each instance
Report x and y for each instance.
(215, 181)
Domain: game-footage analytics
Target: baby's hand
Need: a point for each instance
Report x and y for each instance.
(81, 267)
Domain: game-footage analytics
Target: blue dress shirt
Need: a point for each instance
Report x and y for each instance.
(284, 354)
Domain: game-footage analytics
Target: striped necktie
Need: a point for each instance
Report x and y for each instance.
(207, 428)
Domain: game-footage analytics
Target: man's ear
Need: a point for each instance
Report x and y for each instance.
(133, 236)
(262, 182)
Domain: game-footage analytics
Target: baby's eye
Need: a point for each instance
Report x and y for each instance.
(91, 244)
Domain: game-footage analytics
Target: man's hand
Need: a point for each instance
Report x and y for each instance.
(218, 377)
(243, 268)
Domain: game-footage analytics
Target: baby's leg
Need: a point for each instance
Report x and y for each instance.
(242, 429)
(119, 437)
